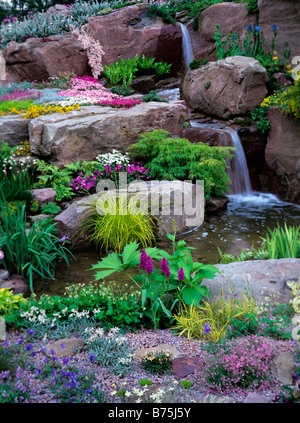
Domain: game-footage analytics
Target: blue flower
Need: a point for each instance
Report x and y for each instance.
(249, 27)
(275, 27)
(257, 28)
(207, 328)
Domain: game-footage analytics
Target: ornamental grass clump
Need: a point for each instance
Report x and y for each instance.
(112, 221)
(244, 366)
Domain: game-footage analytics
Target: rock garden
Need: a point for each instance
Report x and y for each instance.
(150, 202)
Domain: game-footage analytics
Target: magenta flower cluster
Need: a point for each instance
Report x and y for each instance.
(88, 183)
(146, 262)
(91, 89)
(238, 368)
(16, 94)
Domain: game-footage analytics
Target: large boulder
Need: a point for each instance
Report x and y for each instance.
(229, 87)
(40, 58)
(282, 156)
(130, 31)
(232, 18)
(261, 278)
(94, 130)
(13, 130)
(286, 15)
(122, 34)
(167, 201)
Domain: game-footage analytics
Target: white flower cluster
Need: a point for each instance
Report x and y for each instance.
(71, 101)
(146, 395)
(24, 163)
(94, 334)
(113, 158)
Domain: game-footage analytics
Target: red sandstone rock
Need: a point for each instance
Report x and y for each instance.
(38, 60)
(282, 156)
(130, 31)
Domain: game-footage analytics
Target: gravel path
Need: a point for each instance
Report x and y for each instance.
(144, 339)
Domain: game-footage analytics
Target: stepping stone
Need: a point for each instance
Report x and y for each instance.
(283, 368)
(256, 398)
(183, 366)
(65, 347)
(217, 399)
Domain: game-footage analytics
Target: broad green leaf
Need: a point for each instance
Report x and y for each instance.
(130, 255)
(190, 295)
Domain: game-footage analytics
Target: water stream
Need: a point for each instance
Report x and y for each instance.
(186, 46)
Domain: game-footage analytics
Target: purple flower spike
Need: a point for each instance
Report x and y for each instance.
(180, 274)
(149, 265)
(143, 259)
(164, 266)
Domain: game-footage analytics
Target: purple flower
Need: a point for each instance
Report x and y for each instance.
(149, 265)
(64, 238)
(92, 357)
(206, 328)
(28, 347)
(180, 274)
(143, 259)
(31, 332)
(1, 255)
(164, 266)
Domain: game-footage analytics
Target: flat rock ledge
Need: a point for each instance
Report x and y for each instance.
(262, 278)
(93, 130)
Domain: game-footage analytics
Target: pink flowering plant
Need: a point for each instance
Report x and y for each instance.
(240, 367)
(93, 91)
(164, 279)
(89, 183)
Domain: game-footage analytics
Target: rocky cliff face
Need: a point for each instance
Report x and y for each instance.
(122, 33)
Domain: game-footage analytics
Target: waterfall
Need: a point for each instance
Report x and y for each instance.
(238, 172)
(238, 169)
(186, 46)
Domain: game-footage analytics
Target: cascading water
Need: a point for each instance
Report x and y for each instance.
(238, 171)
(186, 46)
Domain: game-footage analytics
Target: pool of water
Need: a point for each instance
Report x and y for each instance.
(239, 227)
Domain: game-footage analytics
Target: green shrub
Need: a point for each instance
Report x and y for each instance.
(82, 304)
(50, 208)
(152, 96)
(195, 64)
(177, 159)
(9, 301)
